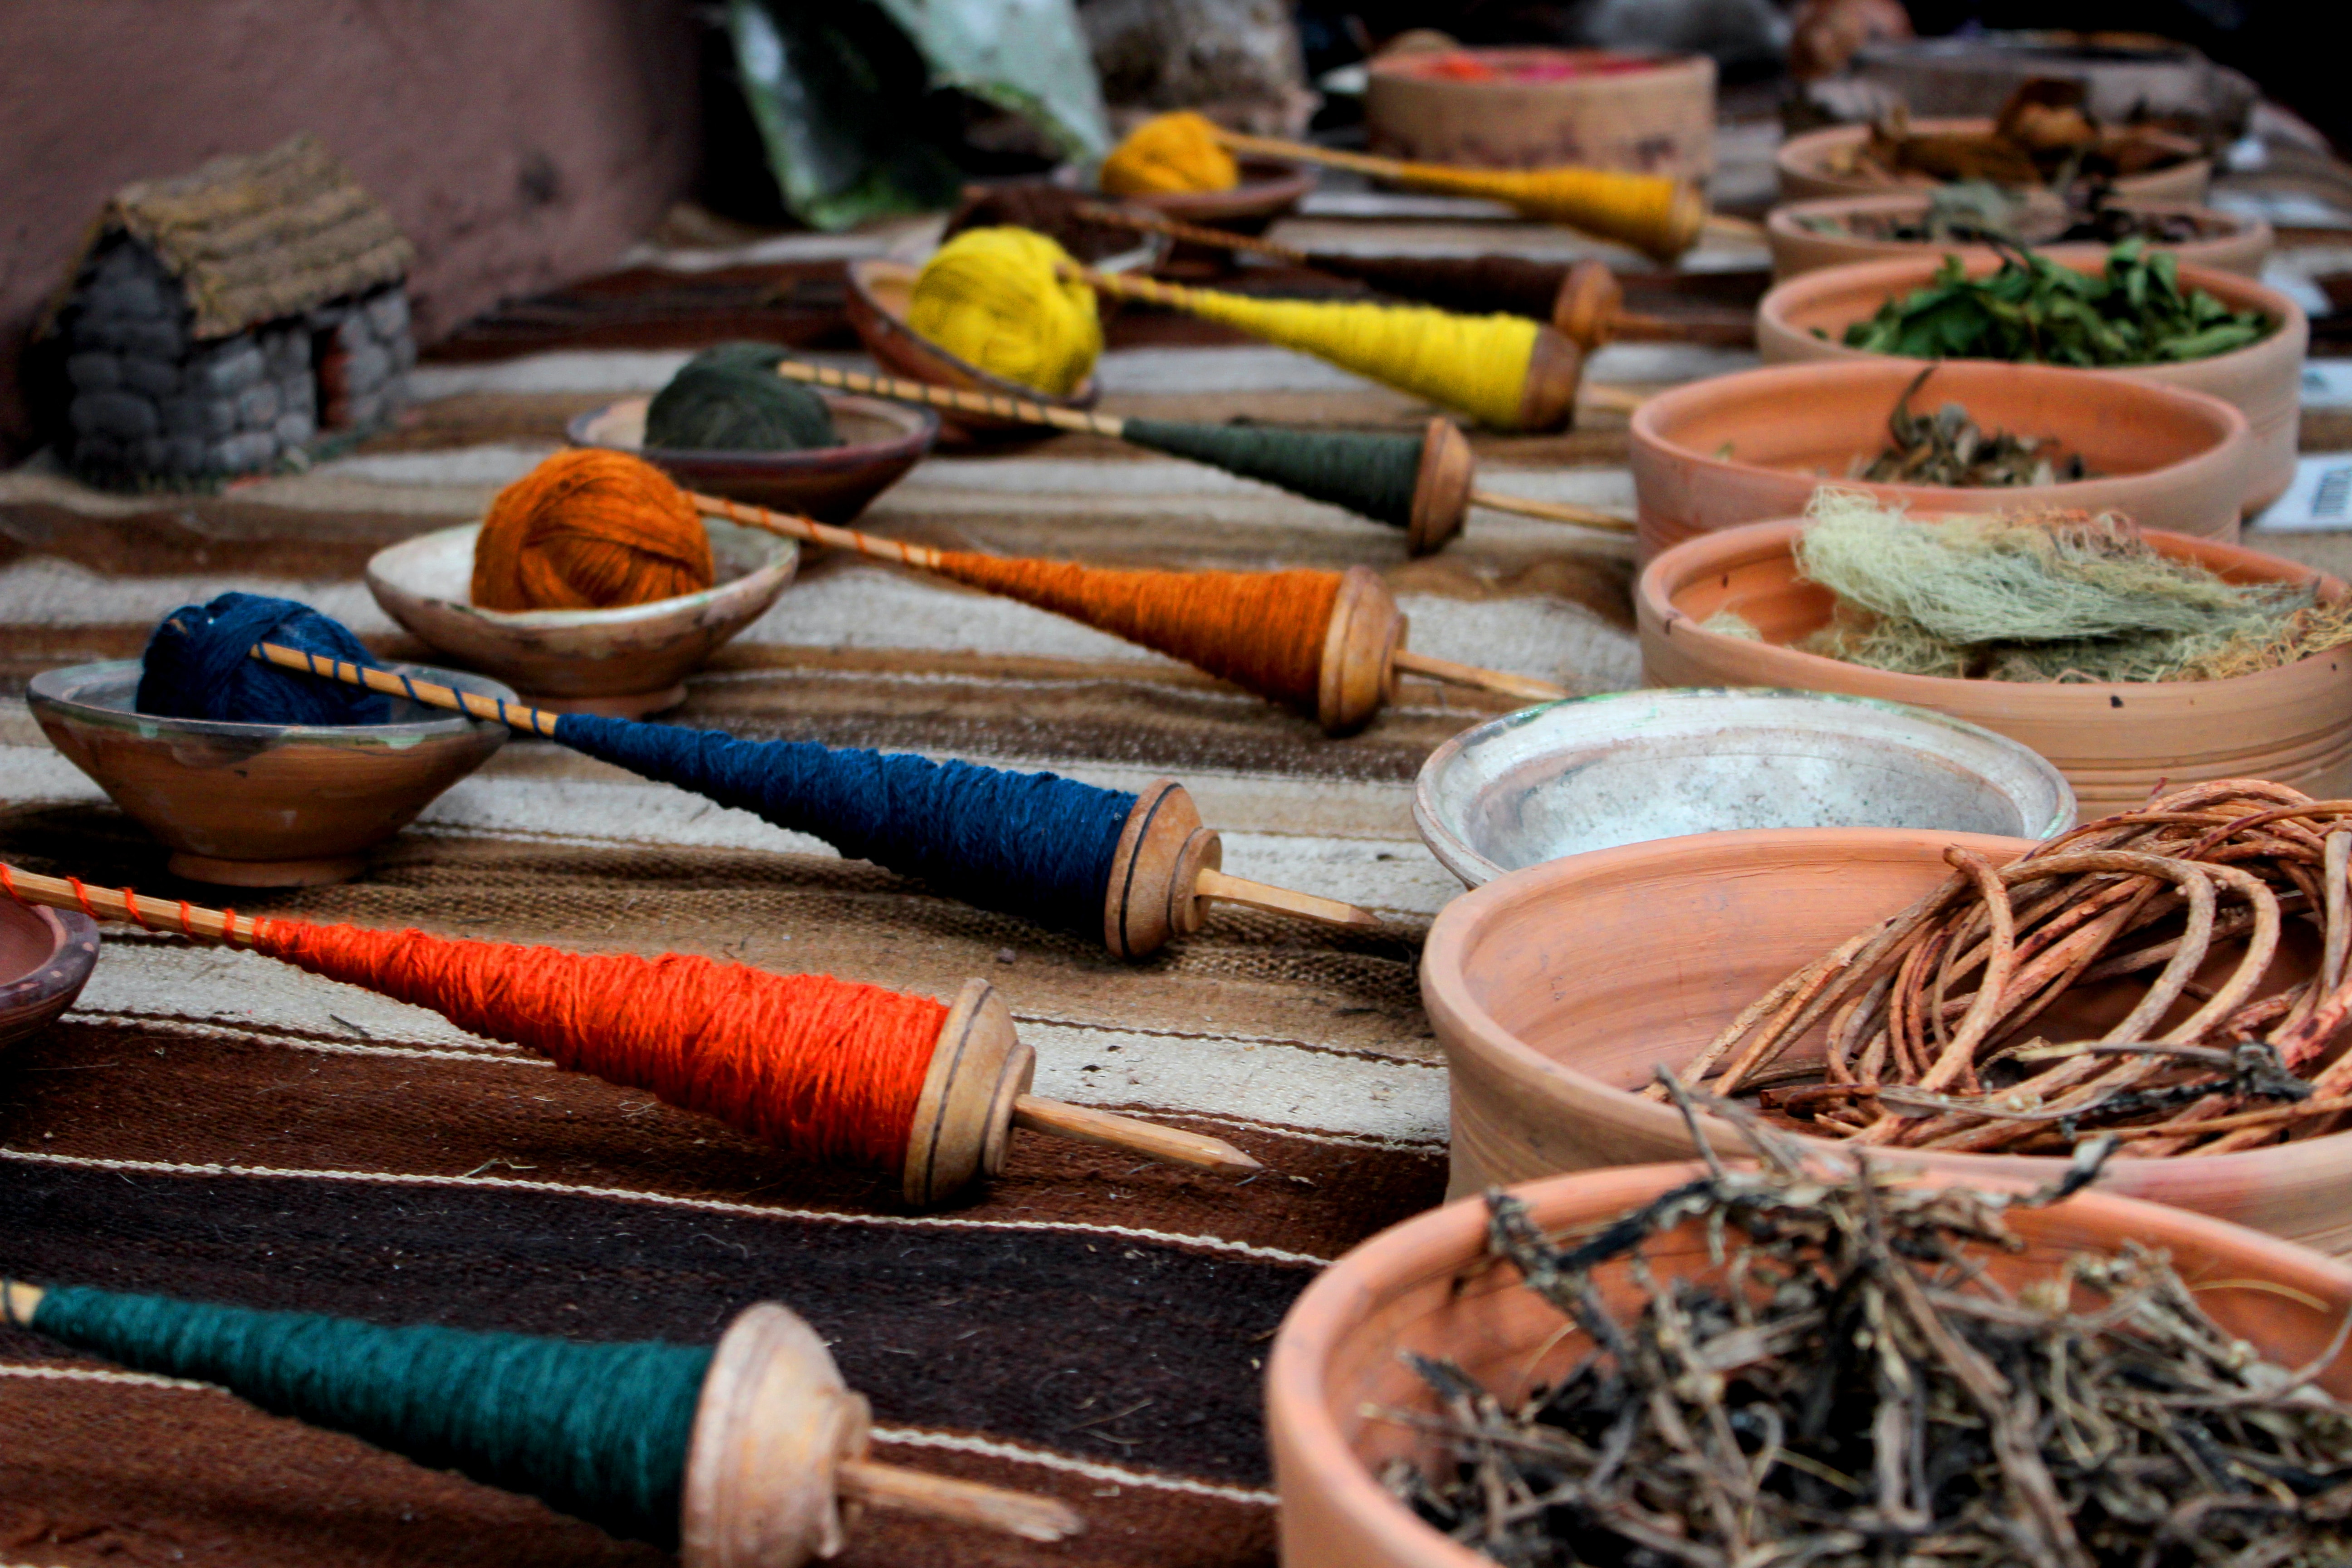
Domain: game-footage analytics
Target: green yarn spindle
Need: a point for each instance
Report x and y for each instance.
(730, 399)
(1369, 473)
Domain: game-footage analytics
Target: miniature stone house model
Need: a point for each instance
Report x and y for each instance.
(221, 322)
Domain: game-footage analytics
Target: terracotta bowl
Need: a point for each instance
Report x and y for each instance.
(1807, 165)
(2114, 740)
(626, 663)
(879, 292)
(1556, 990)
(1269, 188)
(1566, 778)
(1754, 445)
(1538, 107)
(1423, 1286)
(45, 956)
(2228, 242)
(2264, 379)
(262, 805)
(881, 441)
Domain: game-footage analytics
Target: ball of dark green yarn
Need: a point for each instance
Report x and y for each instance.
(730, 399)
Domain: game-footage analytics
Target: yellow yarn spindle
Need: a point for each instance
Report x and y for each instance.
(999, 299)
(1648, 212)
(1178, 151)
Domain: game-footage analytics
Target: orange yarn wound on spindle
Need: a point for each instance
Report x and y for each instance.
(1264, 630)
(589, 530)
(827, 1069)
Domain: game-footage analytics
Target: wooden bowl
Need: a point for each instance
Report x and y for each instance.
(1533, 107)
(262, 805)
(624, 663)
(2264, 379)
(2114, 740)
(1754, 445)
(1556, 990)
(2228, 242)
(879, 292)
(881, 441)
(1425, 1285)
(46, 957)
(1809, 165)
(1269, 188)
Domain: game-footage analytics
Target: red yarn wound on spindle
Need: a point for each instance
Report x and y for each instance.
(827, 1069)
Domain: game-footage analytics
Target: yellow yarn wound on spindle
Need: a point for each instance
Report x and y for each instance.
(1178, 151)
(993, 297)
(1650, 211)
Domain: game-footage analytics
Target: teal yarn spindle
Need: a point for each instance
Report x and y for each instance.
(730, 399)
(1371, 475)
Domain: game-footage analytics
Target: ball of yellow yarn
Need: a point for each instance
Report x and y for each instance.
(992, 298)
(1177, 151)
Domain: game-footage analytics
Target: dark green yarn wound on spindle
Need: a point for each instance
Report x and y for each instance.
(730, 399)
(1371, 475)
(596, 1431)
(1475, 285)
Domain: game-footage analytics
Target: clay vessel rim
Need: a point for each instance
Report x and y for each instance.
(72, 953)
(861, 272)
(1786, 219)
(1414, 67)
(778, 558)
(54, 689)
(918, 426)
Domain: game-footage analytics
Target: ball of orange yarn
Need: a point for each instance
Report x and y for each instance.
(589, 530)
(1174, 152)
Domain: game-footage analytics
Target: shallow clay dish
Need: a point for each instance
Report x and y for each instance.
(1755, 444)
(45, 956)
(2114, 740)
(2227, 242)
(2264, 379)
(1569, 777)
(262, 805)
(624, 663)
(879, 290)
(1423, 1286)
(1809, 165)
(881, 441)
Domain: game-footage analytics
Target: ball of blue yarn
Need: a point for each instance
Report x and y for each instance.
(198, 666)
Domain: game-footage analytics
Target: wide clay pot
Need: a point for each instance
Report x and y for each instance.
(2264, 380)
(2227, 242)
(1814, 165)
(1754, 445)
(881, 441)
(880, 292)
(2114, 740)
(1532, 108)
(46, 957)
(1425, 1286)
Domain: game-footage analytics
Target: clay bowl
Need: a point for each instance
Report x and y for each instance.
(1269, 188)
(2113, 742)
(2227, 242)
(879, 292)
(624, 663)
(1569, 777)
(1532, 107)
(1556, 990)
(2264, 379)
(881, 441)
(1811, 166)
(1423, 1286)
(1753, 445)
(262, 805)
(46, 957)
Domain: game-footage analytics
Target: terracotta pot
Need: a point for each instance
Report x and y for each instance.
(1754, 445)
(262, 805)
(1545, 1047)
(1811, 165)
(2113, 742)
(2228, 242)
(880, 293)
(46, 957)
(881, 441)
(1540, 107)
(1423, 1286)
(2264, 379)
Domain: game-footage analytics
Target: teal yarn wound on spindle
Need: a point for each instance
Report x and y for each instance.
(730, 399)
(596, 1431)
(1369, 473)
(196, 665)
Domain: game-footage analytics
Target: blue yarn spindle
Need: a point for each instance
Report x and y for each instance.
(1035, 845)
(195, 665)
(596, 1431)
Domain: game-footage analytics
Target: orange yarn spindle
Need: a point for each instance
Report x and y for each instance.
(590, 529)
(828, 1068)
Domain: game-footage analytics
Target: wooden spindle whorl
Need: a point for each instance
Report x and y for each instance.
(964, 1121)
(1360, 647)
(1441, 488)
(1555, 370)
(1588, 305)
(1161, 852)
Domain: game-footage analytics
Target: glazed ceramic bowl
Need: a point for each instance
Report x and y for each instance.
(1424, 1287)
(1594, 772)
(1806, 237)
(262, 805)
(1812, 165)
(881, 441)
(624, 663)
(46, 957)
(1755, 444)
(880, 292)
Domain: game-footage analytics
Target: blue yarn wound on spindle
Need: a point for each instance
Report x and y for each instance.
(198, 665)
(596, 1431)
(1035, 845)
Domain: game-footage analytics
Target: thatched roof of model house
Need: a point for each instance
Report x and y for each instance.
(259, 235)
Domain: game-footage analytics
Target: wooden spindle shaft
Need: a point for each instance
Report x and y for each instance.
(1169, 1145)
(1166, 868)
(993, 404)
(1509, 685)
(1190, 233)
(496, 710)
(120, 904)
(810, 532)
(943, 1498)
(1215, 884)
(1552, 510)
